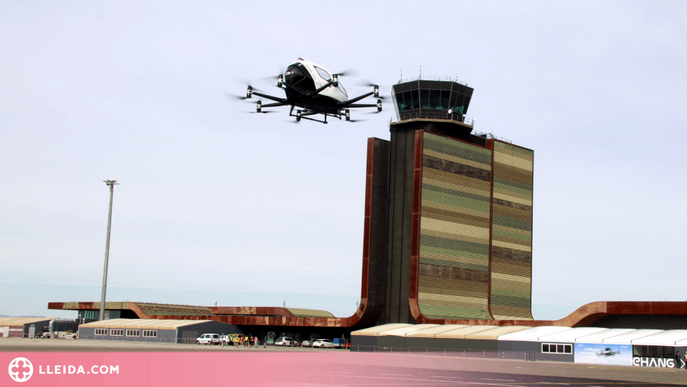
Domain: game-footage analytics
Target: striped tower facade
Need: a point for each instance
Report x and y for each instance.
(475, 229)
(511, 230)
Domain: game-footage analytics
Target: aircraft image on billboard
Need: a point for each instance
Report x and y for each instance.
(314, 90)
(607, 353)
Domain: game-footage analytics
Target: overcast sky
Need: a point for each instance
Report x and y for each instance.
(219, 205)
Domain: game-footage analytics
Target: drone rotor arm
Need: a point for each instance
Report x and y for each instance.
(287, 86)
(318, 91)
(361, 105)
(276, 104)
(276, 99)
(358, 98)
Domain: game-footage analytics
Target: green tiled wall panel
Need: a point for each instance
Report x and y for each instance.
(512, 298)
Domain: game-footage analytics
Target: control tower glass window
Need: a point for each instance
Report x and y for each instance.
(457, 102)
(408, 100)
(424, 98)
(437, 100)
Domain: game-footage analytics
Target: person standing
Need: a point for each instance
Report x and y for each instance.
(678, 359)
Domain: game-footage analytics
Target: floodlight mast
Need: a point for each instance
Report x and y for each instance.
(111, 184)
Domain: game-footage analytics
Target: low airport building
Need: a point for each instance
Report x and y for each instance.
(156, 331)
(22, 326)
(587, 345)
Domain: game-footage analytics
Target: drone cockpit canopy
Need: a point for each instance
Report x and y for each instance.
(297, 76)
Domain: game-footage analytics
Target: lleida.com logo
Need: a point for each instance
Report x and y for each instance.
(21, 369)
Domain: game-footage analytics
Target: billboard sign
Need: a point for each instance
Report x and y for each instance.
(653, 362)
(599, 353)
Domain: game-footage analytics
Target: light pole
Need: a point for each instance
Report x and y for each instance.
(110, 183)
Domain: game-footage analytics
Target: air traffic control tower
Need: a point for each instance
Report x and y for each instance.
(457, 210)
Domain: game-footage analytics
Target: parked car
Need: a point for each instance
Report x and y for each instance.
(322, 343)
(286, 342)
(208, 338)
(307, 342)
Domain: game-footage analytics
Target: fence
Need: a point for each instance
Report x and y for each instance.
(472, 353)
(429, 114)
(141, 339)
(433, 78)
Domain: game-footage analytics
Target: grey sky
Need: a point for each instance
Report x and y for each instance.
(219, 205)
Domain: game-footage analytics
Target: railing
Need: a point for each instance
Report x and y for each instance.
(432, 78)
(427, 113)
(144, 339)
(472, 353)
(491, 135)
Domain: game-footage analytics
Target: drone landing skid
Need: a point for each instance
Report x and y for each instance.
(305, 115)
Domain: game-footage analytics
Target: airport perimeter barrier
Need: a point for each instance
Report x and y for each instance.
(473, 353)
(135, 339)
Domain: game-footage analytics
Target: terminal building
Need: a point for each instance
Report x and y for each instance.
(447, 237)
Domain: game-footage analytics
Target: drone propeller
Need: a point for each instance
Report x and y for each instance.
(271, 78)
(249, 93)
(262, 112)
(233, 97)
(367, 83)
(243, 81)
(349, 72)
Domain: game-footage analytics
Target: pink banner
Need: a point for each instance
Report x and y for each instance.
(116, 369)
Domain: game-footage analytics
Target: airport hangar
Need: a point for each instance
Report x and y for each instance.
(447, 237)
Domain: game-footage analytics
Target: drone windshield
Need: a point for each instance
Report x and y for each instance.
(342, 89)
(323, 74)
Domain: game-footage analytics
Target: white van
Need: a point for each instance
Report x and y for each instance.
(208, 338)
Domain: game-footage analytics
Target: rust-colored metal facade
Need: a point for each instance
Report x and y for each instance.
(633, 314)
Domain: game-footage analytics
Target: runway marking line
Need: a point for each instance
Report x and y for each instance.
(401, 375)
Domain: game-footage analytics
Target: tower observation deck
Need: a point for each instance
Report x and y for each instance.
(434, 99)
